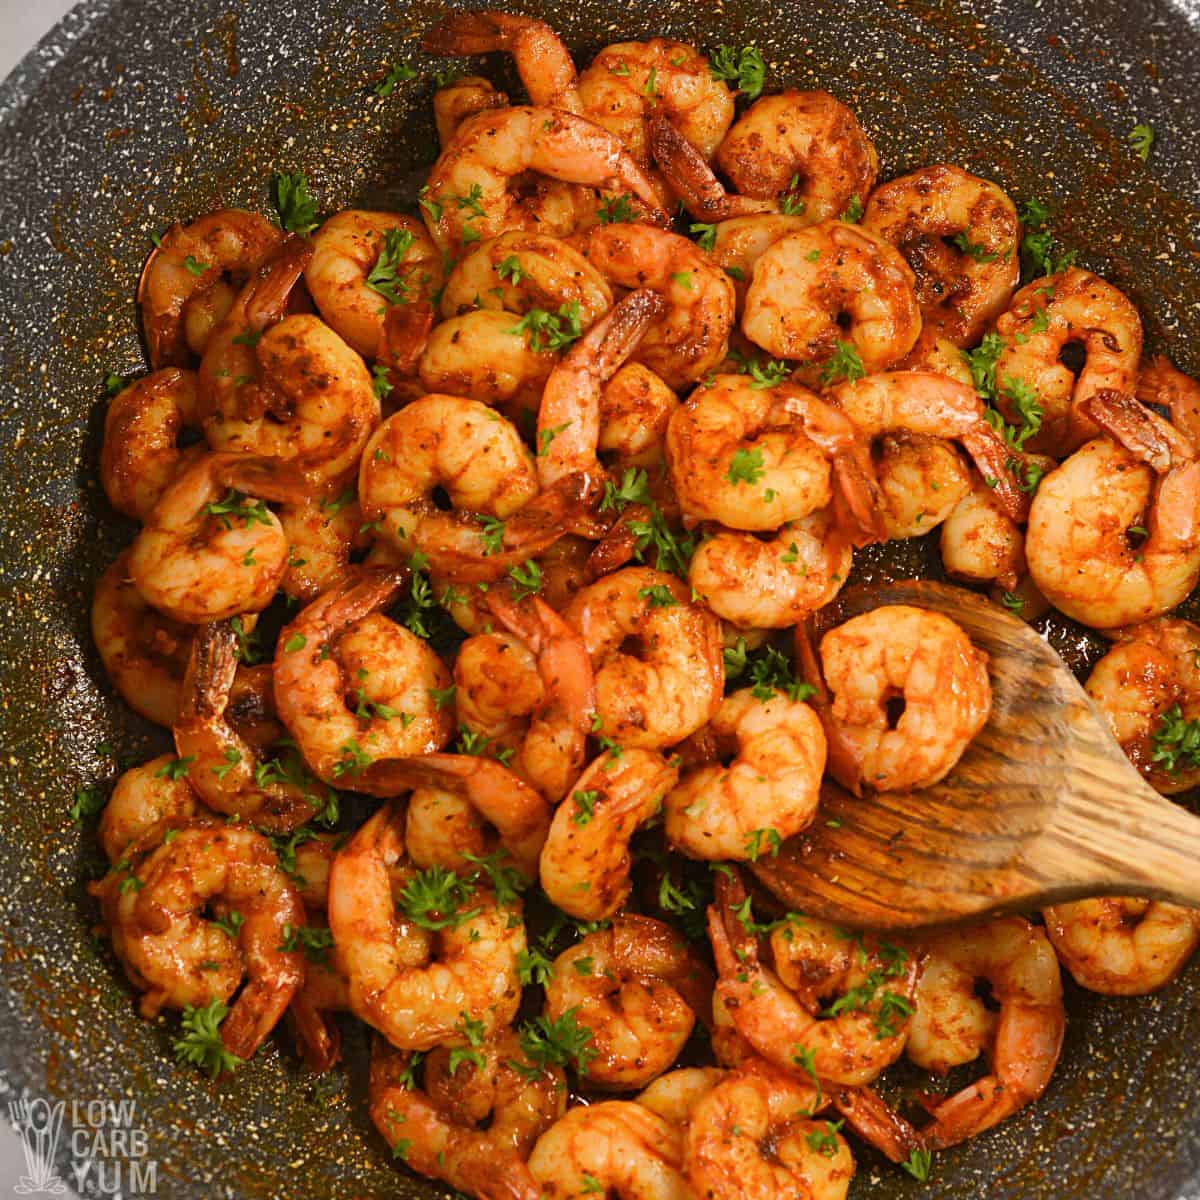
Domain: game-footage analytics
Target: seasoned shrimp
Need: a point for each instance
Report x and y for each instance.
(773, 584)
(1073, 311)
(460, 99)
(520, 814)
(478, 356)
(659, 665)
(638, 988)
(674, 1096)
(146, 801)
(225, 771)
(739, 242)
(768, 790)
(629, 83)
(614, 1147)
(827, 286)
(922, 479)
(189, 262)
(473, 1136)
(299, 394)
(354, 687)
(207, 551)
(1122, 945)
(497, 518)
(635, 410)
(1148, 687)
(952, 1025)
(322, 535)
(553, 749)
(981, 543)
(569, 416)
(922, 657)
(416, 1006)
(959, 233)
(143, 651)
(518, 271)
(469, 192)
(933, 405)
(367, 266)
(141, 453)
(585, 863)
(177, 957)
(1114, 534)
(753, 1136)
(692, 336)
(844, 1044)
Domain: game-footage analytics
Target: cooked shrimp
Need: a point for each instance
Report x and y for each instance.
(959, 233)
(1122, 945)
(615, 1147)
(932, 352)
(585, 863)
(635, 410)
(322, 535)
(1148, 688)
(141, 454)
(474, 1137)
(753, 1136)
(569, 416)
(460, 99)
(177, 957)
(932, 405)
(469, 192)
(207, 551)
(364, 267)
(416, 1006)
(692, 336)
(845, 1044)
(777, 583)
(489, 476)
(768, 790)
(496, 689)
(1071, 311)
(638, 988)
(542, 60)
(1112, 540)
(739, 242)
(519, 271)
(1162, 384)
(478, 356)
(224, 769)
(674, 1096)
(668, 684)
(519, 813)
(630, 84)
(923, 658)
(953, 1026)
(188, 263)
(144, 652)
(353, 687)
(829, 286)
(922, 479)
(981, 543)
(146, 801)
(553, 749)
(299, 394)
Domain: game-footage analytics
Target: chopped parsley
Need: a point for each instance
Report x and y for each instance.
(746, 466)
(434, 899)
(616, 211)
(1176, 742)
(384, 278)
(744, 66)
(551, 331)
(1141, 137)
(843, 363)
(297, 209)
(396, 73)
(201, 1044)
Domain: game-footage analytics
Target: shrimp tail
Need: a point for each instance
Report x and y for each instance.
(261, 476)
(469, 33)
(693, 179)
(877, 1123)
(404, 335)
(269, 291)
(212, 665)
(363, 591)
(316, 1035)
(1141, 431)
(618, 545)
(1160, 382)
(992, 456)
(841, 759)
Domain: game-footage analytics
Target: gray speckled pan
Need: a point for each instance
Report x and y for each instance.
(134, 114)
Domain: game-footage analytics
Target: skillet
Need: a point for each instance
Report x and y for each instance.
(133, 114)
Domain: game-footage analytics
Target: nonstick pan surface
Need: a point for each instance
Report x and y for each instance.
(132, 115)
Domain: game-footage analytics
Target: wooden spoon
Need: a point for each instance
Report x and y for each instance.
(1043, 807)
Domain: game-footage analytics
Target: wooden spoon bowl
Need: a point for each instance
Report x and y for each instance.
(1043, 807)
